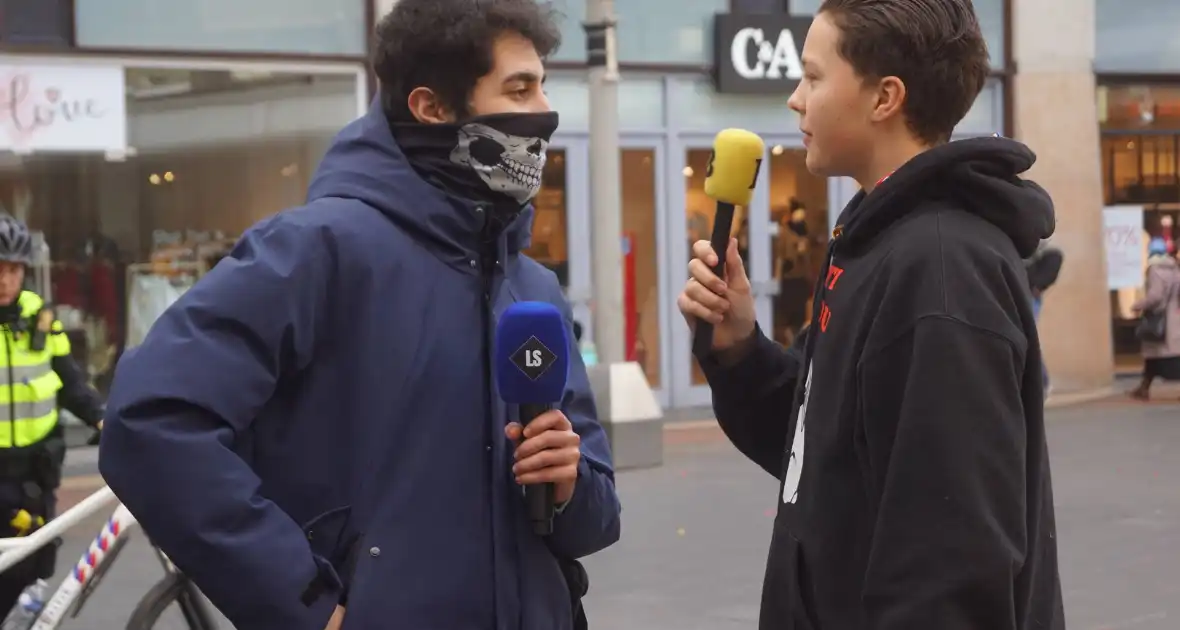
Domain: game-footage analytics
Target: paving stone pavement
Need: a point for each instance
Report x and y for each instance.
(695, 531)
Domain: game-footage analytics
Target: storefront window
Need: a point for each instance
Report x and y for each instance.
(128, 232)
(573, 36)
(986, 115)
(315, 27)
(1140, 144)
(1140, 167)
(663, 31)
(698, 107)
(758, 6)
(38, 22)
(1137, 37)
(649, 31)
(799, 210)
(641, 101)
(549, 223)
(990, 14)
(641, 266)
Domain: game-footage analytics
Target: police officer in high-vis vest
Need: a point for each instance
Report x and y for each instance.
(37, 376)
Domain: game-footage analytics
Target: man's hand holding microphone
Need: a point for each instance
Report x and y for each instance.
(717, 302)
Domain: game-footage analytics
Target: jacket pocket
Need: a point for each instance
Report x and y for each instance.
(578, 583)
(334, 541)
(783, 596)
(43, 388)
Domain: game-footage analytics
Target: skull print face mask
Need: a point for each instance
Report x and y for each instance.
(498, 158)
(507, 163)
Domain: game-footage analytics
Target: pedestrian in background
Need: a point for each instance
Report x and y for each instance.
(38, 376)
(1160, 308)
(312, 432)
(1043, 268)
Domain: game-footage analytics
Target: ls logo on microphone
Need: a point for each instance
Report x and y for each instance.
(533, 358)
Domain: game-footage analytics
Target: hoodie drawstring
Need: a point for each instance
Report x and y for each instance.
(817, 309)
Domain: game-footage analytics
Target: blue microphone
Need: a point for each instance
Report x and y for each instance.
(532, 364)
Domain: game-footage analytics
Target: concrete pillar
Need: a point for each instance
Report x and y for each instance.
(1055, 111)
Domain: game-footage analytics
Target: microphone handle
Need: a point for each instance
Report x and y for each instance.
(539, 498)
(702, 341)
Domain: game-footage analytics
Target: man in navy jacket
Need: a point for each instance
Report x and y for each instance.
(311, 432)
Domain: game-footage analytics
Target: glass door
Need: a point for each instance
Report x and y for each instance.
(798, 234)
(647, 315)
(642, 195)
(561, 217)
(686, 188)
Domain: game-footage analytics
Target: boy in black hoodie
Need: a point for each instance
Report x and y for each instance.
(907, 425)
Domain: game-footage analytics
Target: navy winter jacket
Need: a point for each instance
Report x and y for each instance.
(327, 388)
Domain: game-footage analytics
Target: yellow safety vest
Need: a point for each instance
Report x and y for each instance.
(28, 384)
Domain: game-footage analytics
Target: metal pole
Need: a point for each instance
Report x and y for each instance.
(605, 197)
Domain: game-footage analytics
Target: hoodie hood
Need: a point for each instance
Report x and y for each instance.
(365, 163)
(979, 175)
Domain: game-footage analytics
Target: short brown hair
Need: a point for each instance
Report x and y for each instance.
(446, 45)
(934, 46)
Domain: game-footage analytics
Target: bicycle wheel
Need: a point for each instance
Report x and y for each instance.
(173, 589)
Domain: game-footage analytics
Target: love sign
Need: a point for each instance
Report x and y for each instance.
(76, 108)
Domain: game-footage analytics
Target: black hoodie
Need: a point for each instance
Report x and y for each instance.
(907, 425)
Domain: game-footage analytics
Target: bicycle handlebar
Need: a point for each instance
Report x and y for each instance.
(16, 549)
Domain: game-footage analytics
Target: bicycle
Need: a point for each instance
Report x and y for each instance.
(88, 572)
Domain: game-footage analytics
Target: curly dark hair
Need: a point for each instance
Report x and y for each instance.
(934, 46)
(446, 45)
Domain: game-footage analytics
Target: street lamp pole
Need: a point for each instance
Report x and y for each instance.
(627, 406)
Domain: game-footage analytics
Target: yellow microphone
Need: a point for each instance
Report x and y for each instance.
(729, 180)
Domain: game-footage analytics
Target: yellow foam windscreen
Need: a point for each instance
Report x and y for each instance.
(733, 166)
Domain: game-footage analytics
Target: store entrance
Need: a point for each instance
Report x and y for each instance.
(561, 241)
(798, 239)
(782, 237)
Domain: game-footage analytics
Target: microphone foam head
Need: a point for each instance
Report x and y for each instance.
(531, 354)
(733, 166)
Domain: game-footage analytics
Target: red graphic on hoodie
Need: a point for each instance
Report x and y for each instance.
(825, 313)
(834, 274)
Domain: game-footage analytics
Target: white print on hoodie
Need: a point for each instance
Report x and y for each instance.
(795, 464)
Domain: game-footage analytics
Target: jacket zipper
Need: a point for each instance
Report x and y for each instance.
(11, 386)
(487, 269)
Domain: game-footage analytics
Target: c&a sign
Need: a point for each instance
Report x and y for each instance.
(758, 53)
(66, 107)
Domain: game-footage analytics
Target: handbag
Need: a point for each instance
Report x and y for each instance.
(1153, 325)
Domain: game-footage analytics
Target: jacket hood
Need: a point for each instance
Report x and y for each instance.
(365, 163)
(979, 175)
